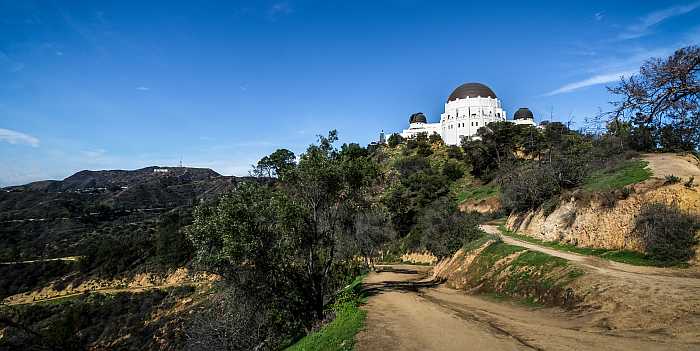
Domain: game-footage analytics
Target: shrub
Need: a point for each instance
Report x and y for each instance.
(452, 170)
(671, 179)
(443, 229)
(690, 183)
(395, 140)
(528, 187)
(668, 233)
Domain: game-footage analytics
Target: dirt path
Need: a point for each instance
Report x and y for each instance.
(678, 277)
(107, 290)
(69, 258)
(668, 163)
(407, 312)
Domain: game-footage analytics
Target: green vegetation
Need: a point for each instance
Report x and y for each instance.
(508, 271)
(668, 233)
(479, 242)
(340, 333)
(629, 172)
(74, 322)
(623, 256)
(337, 335)
(478, 193)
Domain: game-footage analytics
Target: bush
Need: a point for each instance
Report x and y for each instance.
(668, 233)
(237, 321)
(452, 170)
(690, 183)
(443, 229)
(671, 179)
(528, 187)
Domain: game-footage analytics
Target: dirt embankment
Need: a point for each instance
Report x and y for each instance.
(608, 221)
(487, 205)
(659, 306)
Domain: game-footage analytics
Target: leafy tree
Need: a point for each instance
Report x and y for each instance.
(443, 229)
(275, 164)
(171, 244)
(452, 170)
(395, 140)
(285, 242)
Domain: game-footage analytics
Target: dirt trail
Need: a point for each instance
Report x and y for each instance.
(108, 290)
(68, 258)
(679, 277)
(672, 164)
(407, 312)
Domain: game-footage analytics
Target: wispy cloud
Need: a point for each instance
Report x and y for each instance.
(594, 80)
(278, 9)
(643, 27)
(94, 154)
(8, 64)
(598, 16)
(15, 137)
(142, 88)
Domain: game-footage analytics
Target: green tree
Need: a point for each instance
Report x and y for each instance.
(275, 164)
(288, 238)
(395, 140)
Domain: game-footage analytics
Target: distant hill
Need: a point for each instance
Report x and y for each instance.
(48, 218)
(90, 180)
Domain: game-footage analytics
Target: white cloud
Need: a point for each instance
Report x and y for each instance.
(142, 88)
(594, 80)
(279, 9)
(15, 137)
(643, 27)
(93, 154)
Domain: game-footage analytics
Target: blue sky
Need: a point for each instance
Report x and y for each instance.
(124, 85)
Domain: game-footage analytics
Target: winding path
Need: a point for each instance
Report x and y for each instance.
(680, 277)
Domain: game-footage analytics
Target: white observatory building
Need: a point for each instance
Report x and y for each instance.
(469, 107)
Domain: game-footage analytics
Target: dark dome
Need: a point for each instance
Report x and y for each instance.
(523, 113)
(471, 90)
(418, 118)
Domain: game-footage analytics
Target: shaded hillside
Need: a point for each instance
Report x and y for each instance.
(55, 218)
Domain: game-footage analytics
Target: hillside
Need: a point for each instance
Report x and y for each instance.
(52, 218)
(610, 219)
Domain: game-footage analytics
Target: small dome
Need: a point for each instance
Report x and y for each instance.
(471, 90)
(418, 118)
(523, 113)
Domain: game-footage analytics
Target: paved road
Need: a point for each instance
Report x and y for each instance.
(406, 311)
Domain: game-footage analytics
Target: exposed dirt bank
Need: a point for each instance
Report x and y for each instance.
(487, 205)
(629, 299)
(608, 220)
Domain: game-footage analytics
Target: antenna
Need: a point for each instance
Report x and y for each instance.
(180, 161)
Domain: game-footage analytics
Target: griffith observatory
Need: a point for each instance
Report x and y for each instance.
(469, 107)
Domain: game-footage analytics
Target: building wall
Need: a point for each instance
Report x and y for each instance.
(463, 117)
(417, 128)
